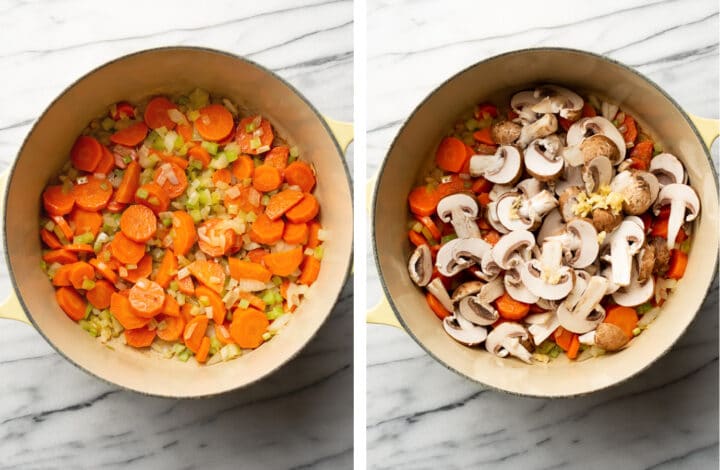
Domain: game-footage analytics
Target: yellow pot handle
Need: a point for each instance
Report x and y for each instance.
(10, 308)
(382, 314)
(709, 129)
(343, 132)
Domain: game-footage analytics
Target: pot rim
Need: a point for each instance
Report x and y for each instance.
(416, 109)
(11, 171)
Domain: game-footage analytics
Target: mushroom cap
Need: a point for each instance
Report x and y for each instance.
(552, 225)
(463, 331)
(588, 127)
(571, 176)
(651, 181)
(474, 310)
(635, 191)
(531, 274)
(420, 265)
(470, 250)
(458, 202)
(492, 217)
(646, 262)
(568, 201)
(466, 289)
(510, 246)
(489, 269)
(635, 293)
(662, 255)
(542, 159)
(557, 99)
(437, 288)
(508, 213)
(446, 262)
(605, 220)
(529, 187)
(667, 169)
(511, 169)
(505, 132)
(588, 247)
(543, 127)
(679, 192)
(599, 145)
(504, 338)
(522, 103)
(610, 337)
(516, 289)
(597, 172)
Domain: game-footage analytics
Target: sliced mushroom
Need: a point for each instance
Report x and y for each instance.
(504, 167)
(489, 269)
(500, 189)
(437, 288)
(543, 127)
(464, 331)
(635, 293)
(492, 217)
(580, 313)
(511, 247)
(459, 254)
(505, 339)
(461, 210)
(610, 337)
(598, 125)
(477, 311)
(662, 255)
(552, 225)
(529, 187)
(634, 190)
(505, 132)
(522, 103)
(572, 176)
(466, 289)
(547, 277)
(608, 110)
(541, 330)
(667, 169)
(625, 241)
(646, 262)
(517, 212)
(579, 243)
(599, 145)
(516, 288)
(605, 220)
(568, 201)
(556, 99)
(542, 158)
(597, 172)
(651, 181)
(420, 265)
(681, 198)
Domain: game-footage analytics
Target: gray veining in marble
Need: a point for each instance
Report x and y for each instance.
(422, 416)
(54, 416)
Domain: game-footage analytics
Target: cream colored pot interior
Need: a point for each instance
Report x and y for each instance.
(133, 78)
(413, 151)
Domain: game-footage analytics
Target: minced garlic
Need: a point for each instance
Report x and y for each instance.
(604, 198)
(601, 237)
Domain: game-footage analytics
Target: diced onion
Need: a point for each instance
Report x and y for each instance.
(100, 176)
(250, 285)
(233, 192)
(177, 117)
(209, 312)
(183, 273)
(263, 149)
(279, 323)
(189, 331)
(323, 235)
(309, 252)
(254, 197)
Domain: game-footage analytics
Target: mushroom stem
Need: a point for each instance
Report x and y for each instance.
(437, 289)
(621, 259)
(675, 221)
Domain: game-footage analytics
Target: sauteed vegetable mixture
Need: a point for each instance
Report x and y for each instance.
(555, 224)
(182, 225)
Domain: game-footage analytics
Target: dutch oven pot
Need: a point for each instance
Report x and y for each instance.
(497, 79)
(134, 77)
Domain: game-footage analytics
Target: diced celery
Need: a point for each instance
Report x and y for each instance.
(319, 252)
(250, 217)
(199, 98)
(184, 355)
(255, 143)
(644, 308)
(107, 123)
(154, 201)
(215, 345)
(85, 238)
(231, 157)
(685, 246)
(43, 265)
(193, 115)
(250, 127)
(142, 193)
(636, 331)
(177, 348)
(204, 197)
(555, 351)
(471, 124)
(273, 314)
(426, 233)
(277, 280)
(174, 285)
(89, 307)
(211, 147)
(266, 336)
(167, 221)
(179, 142)
(244, 303)
(196, 215)
(87, 284)
(417, 227)
(278, 297)
(216, 197)
(219, 162)
(195, 164)
(294, 152)
(265, 200)
(268, 297)
(448, 238)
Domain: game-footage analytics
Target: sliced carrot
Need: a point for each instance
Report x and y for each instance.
(310, 270)
(300, 174)
(157, 199)
(173, 327)
(167, 269)
(222, 333)
(86, 221)
(104, 269)
(156, 113)
(169, 158)
(122, 110)
(660, 228)
(61, 256)
(266, 231)
(93, 195)
(170, 307)
(631, 132)
(201, 155)
(588, 110)
(284, 263)
(277, 157)
(624, 317)
(305, 210)
(243, 168)
(131, 135)
(451, 154)
(195, 332)
(678, 264)
(115, 207)
(240, 269)
(254, 300)
(125, 250)
(222, 176)
(266, 178)
(208, 273)
(295, 234)
(248, 327)
(492, 237)
(563, 338)
(185, 234)
(510, 308)
(314, 236)
(143, 270)
(214, 300)
(417, 239)
(246, 139)
(214, 122)
(146, 298)
(484, 199)
(79, 248)
(202, 352)
(173, 190)
(436, 306)
(86, 153)
(484, 136)
(423, 201)
(257, 255)
(481, 185)
(186, 286)
(61, 278)
(244, 201)
(485, 110)
(574, 348)
(50, 239)
(63, 226)
(123, 312)
(139, 337)
(641, 154)
(215, 239)
(58, 201)
(72, 303)
(99, 296)
(282, 202)
(428, 223)
(129, 184)
(138, 223)
(455, 185)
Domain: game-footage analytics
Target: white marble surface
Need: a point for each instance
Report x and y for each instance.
(52, 415)
(422, 416)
